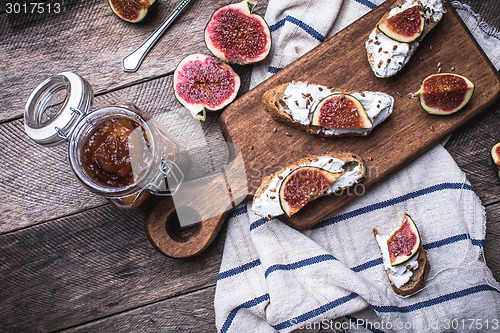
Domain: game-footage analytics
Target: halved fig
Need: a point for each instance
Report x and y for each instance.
(495, 154)
(303, 185)
(444, 93)
(202, 82)
(236, 35)
(405, 26)
(404, 242)
(131, 10)
(341, 111)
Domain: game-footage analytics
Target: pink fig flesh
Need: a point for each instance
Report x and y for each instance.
(445, 93)
(303, 185)
(202, 82)
(404, 242)
(405, 26)
(237, 36)
(341, 111)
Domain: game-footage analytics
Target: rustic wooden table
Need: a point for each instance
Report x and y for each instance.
(70, 260)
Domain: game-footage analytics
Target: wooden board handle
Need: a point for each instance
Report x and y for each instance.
(165, 234)
(208, 199)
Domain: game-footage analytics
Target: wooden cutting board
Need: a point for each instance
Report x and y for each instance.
(341, 62)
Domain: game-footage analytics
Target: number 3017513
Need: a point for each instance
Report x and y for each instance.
(32, 8)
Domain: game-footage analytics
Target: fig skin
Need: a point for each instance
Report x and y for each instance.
(361, 117)
(402, 257)
(495, 155)
(237, 56)
(199, 107)
(388, 27)
(312, 193)
(432, 90)
(132, 11)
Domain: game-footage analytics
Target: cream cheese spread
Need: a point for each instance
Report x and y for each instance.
(268, 204)
(399, 274)
(389, 55)
(301, 98)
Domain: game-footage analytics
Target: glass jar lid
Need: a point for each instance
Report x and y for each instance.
(55, 107)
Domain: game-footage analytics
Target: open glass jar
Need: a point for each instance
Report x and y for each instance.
(115, 151)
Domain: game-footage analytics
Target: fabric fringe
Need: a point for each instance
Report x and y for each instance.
(485, 27)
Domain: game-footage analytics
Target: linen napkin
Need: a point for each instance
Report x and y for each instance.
(331, 277)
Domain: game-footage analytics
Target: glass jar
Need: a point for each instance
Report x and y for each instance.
(115, 151)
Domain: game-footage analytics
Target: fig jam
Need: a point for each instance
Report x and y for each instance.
(107, 151)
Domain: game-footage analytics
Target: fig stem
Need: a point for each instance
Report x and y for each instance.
(133, 61)
(251, 5)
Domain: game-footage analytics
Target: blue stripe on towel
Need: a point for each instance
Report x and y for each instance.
(477, 242)
(257, 223)
(367, 265)
(367, 3)
(238, 212)
(273, 69)
(446, 241)
(238, 270)
(306, 27)
(299, 264)
(381, 205)
(246, 305)
(434, 301)
(359, 268)
(316, 312)
(331, 305)
(392, 202)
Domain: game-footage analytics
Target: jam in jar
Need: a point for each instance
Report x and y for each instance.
(116, 151)
(107, 151)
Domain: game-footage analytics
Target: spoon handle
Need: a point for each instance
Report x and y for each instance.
(132, 62)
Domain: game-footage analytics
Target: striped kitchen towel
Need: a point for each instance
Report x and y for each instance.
(331, 277)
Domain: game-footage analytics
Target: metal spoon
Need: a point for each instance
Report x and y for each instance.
(132, 62)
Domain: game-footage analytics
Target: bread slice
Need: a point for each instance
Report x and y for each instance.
(432, 14)
(266, 199)
(275, 102)
(418, 277)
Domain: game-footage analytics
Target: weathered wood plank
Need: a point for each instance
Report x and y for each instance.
(492, 241)
(470, 148)
(88, 39)
(193, 312)
(87, 266)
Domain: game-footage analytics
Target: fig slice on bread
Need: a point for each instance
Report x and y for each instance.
(303, 185)
(405, 26)
(341, 111)
(398, 33)
(404, 259)
(313, 109)
(293, 186)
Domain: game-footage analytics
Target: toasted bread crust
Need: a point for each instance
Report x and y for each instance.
(272, 100)
(346, 157)
(427, 28)
(418, 278)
